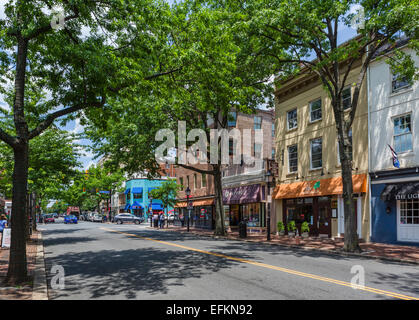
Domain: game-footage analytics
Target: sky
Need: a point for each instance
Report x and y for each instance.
(75, 126)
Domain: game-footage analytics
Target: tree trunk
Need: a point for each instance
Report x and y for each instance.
(220, 229)
(17, 272)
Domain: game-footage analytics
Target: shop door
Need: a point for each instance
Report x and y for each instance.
(324, 225)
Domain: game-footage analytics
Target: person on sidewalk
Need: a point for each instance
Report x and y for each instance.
(161, 220)
(3, 224)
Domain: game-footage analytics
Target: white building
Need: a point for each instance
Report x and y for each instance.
(393, 121)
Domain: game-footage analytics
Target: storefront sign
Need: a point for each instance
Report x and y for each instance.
(408, 196)
(6, 238)
(244, 194)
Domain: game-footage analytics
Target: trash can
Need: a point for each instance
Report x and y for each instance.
(242, 229)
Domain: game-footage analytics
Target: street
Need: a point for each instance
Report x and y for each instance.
(107, 261)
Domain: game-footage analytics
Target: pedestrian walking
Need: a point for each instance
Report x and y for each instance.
(161, 220)
(3, 224)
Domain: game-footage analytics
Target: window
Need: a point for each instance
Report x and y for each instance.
(315, 110)
(403, 133)
(138, 195)
(257, 149)
(258, 122)
(409, 211)
(232, 119)
(292, 158)
(273, 130)
(195, 181)
(316, 153)
(187, 181)
(292, 119)
(203, 180)
(273, 153)
(398, 83)
(181, 182)
(337, 148)
(230, 147)
(346, 98)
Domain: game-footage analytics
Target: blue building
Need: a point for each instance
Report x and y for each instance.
(137, 197)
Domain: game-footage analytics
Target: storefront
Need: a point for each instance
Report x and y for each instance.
(395, 208)
(244, 203)
(320, 204)
(202, 214)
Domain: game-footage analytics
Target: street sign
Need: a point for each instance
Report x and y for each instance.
(190, 207)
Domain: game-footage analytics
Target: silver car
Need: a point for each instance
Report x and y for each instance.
(127, 217)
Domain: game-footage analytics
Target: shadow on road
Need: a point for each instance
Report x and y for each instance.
(124, 273)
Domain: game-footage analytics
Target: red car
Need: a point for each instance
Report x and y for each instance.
(49, 219)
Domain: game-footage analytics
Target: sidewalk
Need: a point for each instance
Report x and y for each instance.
(388, 252)
(22, 292)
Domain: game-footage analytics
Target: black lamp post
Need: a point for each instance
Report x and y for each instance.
(151, 210)
(269, 179)
(188, 193)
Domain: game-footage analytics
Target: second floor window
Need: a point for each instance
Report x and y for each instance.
(316, 110)
(195, 181)
(398, 83)
(204, 180)
(258, 122)
(316, 153)
(257, 150)
(403, 133)
(292, 158)
(232, 118)
(346, 98)
(138, 195)
(292, 119)
(273, 153)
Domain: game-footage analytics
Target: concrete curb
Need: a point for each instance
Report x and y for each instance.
(40, 288)
(330, 252)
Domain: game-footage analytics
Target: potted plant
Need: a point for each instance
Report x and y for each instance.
(281, 228)
(291, 228)
(305, 229)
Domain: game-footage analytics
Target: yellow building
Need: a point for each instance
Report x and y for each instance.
(309, 184)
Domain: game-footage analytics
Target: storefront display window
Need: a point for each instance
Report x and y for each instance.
(234, 215)
(300, 210)
(252, 214)
(409, 211)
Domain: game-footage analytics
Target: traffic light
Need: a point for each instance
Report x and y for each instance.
(97, 192)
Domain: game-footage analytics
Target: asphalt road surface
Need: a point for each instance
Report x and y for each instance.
(108, 261)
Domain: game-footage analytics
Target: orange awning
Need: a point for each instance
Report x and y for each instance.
(196, 203)
(331, 186)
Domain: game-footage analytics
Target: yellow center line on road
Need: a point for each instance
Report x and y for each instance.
(259, 264)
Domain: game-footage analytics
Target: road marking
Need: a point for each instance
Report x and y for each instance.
(268, 266)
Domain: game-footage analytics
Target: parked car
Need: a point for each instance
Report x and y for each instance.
(127, 217)
(70, 219)
(49, 218)
(97, 218)
(171, 217)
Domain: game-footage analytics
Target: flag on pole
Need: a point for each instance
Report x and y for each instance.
(396, 162)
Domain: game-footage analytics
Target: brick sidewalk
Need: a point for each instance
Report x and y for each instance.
(409, 254)
(24, 292)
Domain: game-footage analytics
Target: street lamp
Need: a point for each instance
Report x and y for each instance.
(151, 210)
(188, 193)
(270, 181)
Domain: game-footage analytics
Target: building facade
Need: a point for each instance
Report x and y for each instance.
(245, 191)
(137, 197)
(244, 186)
(309, 183)
(394, 124)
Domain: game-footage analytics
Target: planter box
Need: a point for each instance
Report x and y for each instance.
(304, 235)
(291, 234)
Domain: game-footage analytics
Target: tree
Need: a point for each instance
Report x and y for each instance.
(51, 70)
(212, 76)
(52, 164)
(167, 193)
(292, 32)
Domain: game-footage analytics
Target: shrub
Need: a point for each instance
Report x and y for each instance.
(305, 227)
